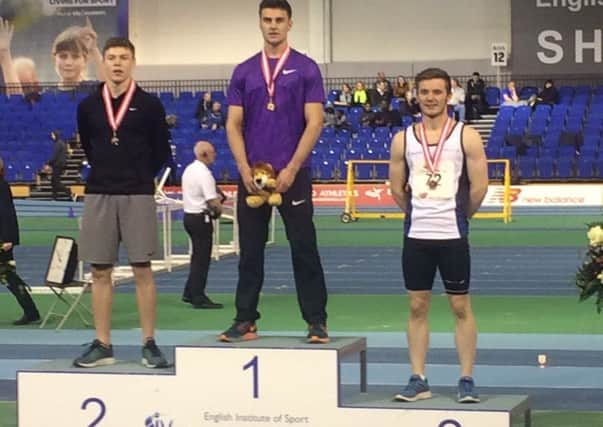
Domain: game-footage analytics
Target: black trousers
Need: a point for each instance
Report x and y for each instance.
(55, 182)
(297, 211)
(17, 286)
(200, 229)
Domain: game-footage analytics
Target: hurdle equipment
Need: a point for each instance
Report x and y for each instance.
(352, 212)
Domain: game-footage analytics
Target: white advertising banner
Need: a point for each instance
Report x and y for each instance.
(541, 195)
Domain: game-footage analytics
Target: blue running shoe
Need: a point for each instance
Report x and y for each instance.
(467, 392)
(417, 389)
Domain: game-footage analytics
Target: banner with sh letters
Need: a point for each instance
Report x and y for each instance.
(557, 36)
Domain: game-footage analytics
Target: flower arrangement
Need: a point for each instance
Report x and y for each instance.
(589, 278)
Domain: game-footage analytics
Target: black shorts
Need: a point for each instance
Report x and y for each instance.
(421, 258)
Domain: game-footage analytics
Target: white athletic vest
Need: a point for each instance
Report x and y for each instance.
(438, 213)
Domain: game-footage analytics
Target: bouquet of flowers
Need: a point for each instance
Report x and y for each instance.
(589, 278)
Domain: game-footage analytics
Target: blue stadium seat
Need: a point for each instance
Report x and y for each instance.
(326, 170)
(218, 95)
(494, 170)
(527, 91)
(545, 167)
(382, 132)
(566, 94)
(382, 171)
(332, 96)
(565, 167)
(492, 95)
(232, 173)
(406, 121)
(584, 167)
(363, 171)
(527, 166)
(492, 151)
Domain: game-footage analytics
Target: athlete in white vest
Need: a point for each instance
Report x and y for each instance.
(439, 177)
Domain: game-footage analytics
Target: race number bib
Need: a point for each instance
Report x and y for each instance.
(442, 182)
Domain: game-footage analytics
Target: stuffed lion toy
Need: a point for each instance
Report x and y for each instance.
(264, 180)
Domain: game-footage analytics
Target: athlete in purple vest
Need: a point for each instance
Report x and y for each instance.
(275, 103)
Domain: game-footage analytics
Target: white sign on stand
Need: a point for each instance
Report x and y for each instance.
(237, 387)
(498, 55)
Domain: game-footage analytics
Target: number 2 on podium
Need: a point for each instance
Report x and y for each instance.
(253, 363)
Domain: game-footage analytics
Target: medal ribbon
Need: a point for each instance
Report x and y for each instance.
(431, 162)
(268, 78)
(115, 120)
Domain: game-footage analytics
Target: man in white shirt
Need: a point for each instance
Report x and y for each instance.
(202, 203)
(457, 99)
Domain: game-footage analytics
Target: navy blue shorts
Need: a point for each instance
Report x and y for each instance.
(421, 258)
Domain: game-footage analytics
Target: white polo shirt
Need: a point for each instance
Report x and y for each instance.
(198, 186)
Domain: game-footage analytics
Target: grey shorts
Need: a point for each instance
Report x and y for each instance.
(109, 219)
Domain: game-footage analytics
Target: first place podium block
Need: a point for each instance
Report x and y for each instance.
(273, 381)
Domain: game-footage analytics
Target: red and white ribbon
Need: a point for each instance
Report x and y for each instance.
(270, 78)
(431, 161)
(113, 119)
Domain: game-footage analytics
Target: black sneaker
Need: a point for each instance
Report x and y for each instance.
(27, 319)
(239, 331)
(205, 303)
(317, 334)
(152, 357)
(97, 354)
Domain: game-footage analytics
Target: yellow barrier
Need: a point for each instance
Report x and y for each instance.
(351, 212)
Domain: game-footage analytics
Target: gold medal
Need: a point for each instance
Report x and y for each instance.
(270, 78)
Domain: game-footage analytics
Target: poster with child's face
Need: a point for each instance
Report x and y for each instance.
(57, 41)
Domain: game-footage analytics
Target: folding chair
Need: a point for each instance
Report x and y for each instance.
(59, 278)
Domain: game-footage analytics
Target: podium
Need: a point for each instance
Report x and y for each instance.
(271, 381)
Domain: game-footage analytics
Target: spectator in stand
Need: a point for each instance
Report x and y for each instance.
(330, 117)
(203, 108)
(381, 79)
(380, 94)
(345, 96)
(341, 121)
(547, 96)
(367, 119)
(411, 102)
(359, 96)
(386, 116)
(335, 118)
(510, 97)
(57, 164)
(475, 97)
(457, 99)
(401, 87)
(214, 119)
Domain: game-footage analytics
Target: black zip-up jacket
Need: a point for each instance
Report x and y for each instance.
(9, 227)
(130, 166)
